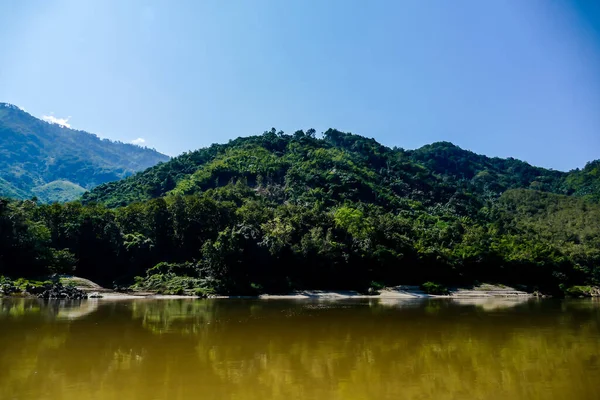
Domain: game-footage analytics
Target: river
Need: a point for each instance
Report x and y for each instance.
(300, 349)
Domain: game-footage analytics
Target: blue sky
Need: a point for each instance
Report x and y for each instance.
(503, 78)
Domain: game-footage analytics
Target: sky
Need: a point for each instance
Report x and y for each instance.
(507, 78)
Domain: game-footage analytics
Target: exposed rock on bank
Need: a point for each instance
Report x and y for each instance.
(58, 291)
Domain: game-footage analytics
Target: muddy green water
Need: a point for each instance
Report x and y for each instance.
(278, 349)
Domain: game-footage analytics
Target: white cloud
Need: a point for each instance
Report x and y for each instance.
(59, 121)
(139, 141)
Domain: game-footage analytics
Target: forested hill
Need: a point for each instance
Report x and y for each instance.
(55, 163)
(278, 212)
(341, 167)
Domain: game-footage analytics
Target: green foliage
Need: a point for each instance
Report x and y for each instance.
(58, 192)
(55, 163)
(7, 287)
(353, 221)
(175, 279)
(585, 183)
(434, 288)
(278, 212)
(578, 291)
(61, 261)
(21, 285)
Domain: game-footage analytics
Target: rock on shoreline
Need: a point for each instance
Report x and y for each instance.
(58, 291)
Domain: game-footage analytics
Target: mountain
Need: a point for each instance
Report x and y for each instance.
(277, 212)
(434, 173)
(55, 163)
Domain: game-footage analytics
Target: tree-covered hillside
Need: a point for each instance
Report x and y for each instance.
(277, 212)
(435, 172)
(55, 163)
(585, 183)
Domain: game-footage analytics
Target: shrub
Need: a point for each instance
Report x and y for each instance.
(204, 292)
(578, 291)
(434, 288)
(177, 279)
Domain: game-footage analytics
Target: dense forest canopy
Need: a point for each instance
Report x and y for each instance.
(437, 167)
(277, 212)
(55, 163)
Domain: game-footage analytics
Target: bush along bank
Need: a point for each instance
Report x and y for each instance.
(48, 289)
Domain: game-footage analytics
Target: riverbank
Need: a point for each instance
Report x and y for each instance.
(480, 291)
(406, 292)
(396, 292)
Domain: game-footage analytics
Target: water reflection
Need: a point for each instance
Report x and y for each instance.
(246, 349)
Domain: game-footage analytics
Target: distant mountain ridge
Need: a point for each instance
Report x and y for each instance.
(56, 163)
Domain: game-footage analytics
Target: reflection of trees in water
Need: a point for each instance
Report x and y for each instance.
(180, 349)
(461, 350)
(17, 308)
(48, 309)
(170, 316)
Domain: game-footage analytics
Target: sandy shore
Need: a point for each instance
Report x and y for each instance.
(397, 292)
(129, 296)
(405, 292)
